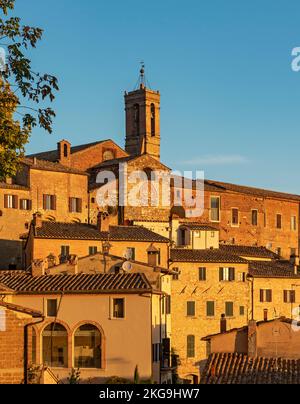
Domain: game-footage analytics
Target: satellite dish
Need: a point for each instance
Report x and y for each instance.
(127, 266)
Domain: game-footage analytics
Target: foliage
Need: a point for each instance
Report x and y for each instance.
(19, 83)
(175, 364)
(74, 377)
(117, 380)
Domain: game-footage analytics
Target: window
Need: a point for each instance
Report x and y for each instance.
(289, 296)
(242, 276)
(130, 253)
(202, 274)
(153, 120)
(49, 202)
(191, 309)
(64, 253)
(265, 314)
(265, 295)
(210, 309)
(25, 204)
(118, 308)
(136, 118)
(212, 234)
(176, 274)
(254, 219)
(190, 346)
(75, 205)
(227, 274)
(242, 310)
(234, 217)
(168, 304)
(294, 223)
(278, 221)
(87, 347)
(10, 201)
(155, 352)
(215, 208)
(93, 250)
(55, 346)
(66, 152)
(229, 309)
(51, 307)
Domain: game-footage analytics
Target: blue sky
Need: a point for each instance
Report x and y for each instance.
(230, 100)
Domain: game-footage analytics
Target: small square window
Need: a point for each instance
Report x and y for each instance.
(51, 308)
(118, 308)
(242, 310)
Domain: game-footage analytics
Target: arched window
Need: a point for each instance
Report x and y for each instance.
(66, 152)
(136, 117)
(153, 120)
(33, 347)
(55, 346)
(87, 347)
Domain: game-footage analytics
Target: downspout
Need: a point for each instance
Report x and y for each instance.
(251, 280)
(26, 347)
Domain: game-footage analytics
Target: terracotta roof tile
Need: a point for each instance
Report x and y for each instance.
(272, 269)
(21, 309)
(51, 166)
(208, 255)
(4, 185)
(234, 368)
(80, 231)
(198, 226)
(248, 251)
(81, 283)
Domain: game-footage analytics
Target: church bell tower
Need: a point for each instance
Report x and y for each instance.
(142, 108)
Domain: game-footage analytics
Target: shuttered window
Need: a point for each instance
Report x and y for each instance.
(265, 295)
(191, 346)
(191, 309)
(202, 274)
(49, 202)
(75, 205)
(210, 309)
(229, 309)
(289, 296)
(234, 217)
(25, 204)
(10, 201)
(227, 274)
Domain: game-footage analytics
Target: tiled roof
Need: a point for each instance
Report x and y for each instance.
(21, 309)
(272, 269)
(52, 155)
(135, 233)
(17, 187)
(248, 251)
(234, 368)
(80, 231)
(223, 186)
(51, 166)
(81, 283)
(199, 226)
(209, 255)
(71, 231)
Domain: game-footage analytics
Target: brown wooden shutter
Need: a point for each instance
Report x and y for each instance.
(221, 273)
(269, 296)
(70, 205)
(15, 201)
(261, 293)
(29, 204)
(231, 274)
(53, 202)
(293, 296)
(21, 204)
(6, 201)
(285, 296)
(79, 205)
(44, 201)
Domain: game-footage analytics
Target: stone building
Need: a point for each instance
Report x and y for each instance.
(104, 324)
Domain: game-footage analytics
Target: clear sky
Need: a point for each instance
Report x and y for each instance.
(230, 100)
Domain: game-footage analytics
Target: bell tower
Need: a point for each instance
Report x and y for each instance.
(142, 108)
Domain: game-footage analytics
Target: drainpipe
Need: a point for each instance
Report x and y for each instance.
(26, 347)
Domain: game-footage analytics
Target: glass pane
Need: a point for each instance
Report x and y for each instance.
(87, 347)
(55, 346)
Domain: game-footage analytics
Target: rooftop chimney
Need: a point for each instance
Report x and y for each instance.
(64, 152)
(223, 324)
(37, 220)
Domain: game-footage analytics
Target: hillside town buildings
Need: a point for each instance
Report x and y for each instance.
(115, 286)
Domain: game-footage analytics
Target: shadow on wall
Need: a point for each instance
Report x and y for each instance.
(10, 254)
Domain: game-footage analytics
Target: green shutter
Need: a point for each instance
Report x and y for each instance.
(210, 309)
